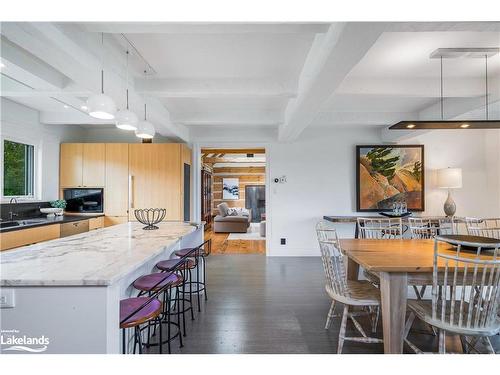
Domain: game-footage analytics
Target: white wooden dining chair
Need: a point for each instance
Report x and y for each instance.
(483, 227)
(429, 228)
(463, 302)
(348, 292)
(380, 228)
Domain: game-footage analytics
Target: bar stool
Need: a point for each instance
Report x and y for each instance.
(184, 266)
(133, 313)
(162, 283)
(199, 256)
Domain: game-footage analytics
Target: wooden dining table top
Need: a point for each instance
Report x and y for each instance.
(400, 255)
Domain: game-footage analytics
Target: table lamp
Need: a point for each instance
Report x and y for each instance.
(449, 178)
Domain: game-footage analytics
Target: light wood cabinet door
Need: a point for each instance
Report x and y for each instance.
(114, 220)
(23, 237)
(155, 178)
(93, 164)
(116, 181)
(71, 165)
(96, 223)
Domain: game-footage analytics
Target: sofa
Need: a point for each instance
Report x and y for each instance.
(226, 223)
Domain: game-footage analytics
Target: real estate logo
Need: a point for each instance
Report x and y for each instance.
(12, 340)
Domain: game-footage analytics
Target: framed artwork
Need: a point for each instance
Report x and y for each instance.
(231, 188)
(386, 174)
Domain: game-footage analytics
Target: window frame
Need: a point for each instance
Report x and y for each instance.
(35, 167)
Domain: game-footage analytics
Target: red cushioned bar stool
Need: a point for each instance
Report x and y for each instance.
(135, 312)
(183, 266)
(198, 254)
(163, 283)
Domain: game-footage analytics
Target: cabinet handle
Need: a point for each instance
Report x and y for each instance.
(131, 191)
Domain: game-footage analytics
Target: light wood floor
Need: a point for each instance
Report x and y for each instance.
(221, 245)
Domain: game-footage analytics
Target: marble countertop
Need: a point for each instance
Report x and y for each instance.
(98, 257)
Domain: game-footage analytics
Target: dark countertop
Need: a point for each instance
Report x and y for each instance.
(353, 219)
(41, 221)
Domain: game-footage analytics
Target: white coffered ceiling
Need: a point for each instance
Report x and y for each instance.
(271, 75)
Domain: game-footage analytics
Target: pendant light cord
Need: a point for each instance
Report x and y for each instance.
(127, 78)
(486, 86)
(102, 63)
(442, 111)
(145, 111)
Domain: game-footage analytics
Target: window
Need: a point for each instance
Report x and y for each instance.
(19, 169)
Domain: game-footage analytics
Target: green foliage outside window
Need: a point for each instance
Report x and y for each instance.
(18, 169)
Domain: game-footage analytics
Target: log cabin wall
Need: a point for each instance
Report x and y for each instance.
(246, 176)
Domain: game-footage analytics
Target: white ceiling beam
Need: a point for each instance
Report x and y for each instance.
(421, 87)
(229, 117)
(445, 26)
(70, 118)
(342, 47)
(62, 47)
(361, 118)
(213, 88)
(204, 27)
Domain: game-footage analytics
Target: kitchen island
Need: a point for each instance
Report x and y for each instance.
(68, 290)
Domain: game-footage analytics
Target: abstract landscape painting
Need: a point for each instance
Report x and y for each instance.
(230, 188)
(389, 174)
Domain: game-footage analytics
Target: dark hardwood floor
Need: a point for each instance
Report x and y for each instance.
(259, 304)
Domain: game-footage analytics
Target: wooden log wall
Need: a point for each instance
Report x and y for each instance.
(246, 175)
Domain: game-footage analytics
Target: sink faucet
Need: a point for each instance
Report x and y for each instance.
(11, 212)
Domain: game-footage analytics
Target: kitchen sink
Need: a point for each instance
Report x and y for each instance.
(20, 223)
(8, 224)
(31, 221)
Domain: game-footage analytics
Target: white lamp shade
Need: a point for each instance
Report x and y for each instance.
(450, 178)
(126, 120)
(145, 129)
(101, 106)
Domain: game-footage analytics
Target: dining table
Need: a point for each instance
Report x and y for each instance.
(398, 263)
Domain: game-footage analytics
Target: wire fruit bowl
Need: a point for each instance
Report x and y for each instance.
(150, 217)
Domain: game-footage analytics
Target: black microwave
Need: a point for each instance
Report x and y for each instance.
(88, 200)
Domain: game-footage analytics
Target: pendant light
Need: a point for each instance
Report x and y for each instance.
(145, 129)
(101, 106)
(126, 119)
(456, 124)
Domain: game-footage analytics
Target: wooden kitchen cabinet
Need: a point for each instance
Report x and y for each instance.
(114, 220)
(28, 236)
(156, 178)
(96, 223)
(116, 181)
(82, 165)
(71, 165)
(93, 170)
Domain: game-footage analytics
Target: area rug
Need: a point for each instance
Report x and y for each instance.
(253, 233)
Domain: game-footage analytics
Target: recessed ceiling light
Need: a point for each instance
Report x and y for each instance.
(464, 126)
(65, 106)
(410, 126)
(2, 65)
(84, 107)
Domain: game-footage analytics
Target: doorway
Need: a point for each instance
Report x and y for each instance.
(233, 200)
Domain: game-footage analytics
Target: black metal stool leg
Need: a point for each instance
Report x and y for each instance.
(123, 341)
(160, 343)
(168, 322)
(178, 318)
(204, 279)
(191, 295)
(198, 285)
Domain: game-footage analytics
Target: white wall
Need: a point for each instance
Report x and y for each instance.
(320, 171)
(20, 123)
(113, 135)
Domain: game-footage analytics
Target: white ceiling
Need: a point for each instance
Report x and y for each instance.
(273, 75)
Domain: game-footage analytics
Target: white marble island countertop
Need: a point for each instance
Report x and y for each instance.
(99, 257)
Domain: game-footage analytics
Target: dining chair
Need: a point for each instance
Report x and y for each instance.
(465, 294)
(483, 227)
(348, 292)
(380, 228)
(429, 228)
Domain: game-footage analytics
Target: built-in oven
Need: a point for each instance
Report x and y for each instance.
(84, 200)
